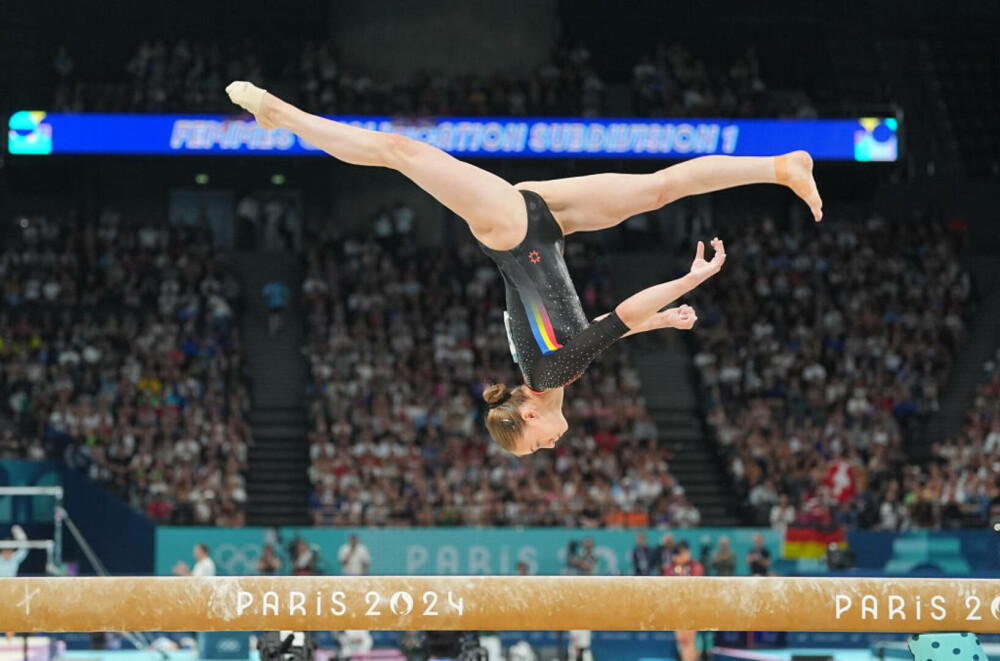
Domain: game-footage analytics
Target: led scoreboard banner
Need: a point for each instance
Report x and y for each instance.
(862, 139)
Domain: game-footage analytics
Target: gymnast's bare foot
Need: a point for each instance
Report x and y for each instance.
(795, 170)
(255, 100)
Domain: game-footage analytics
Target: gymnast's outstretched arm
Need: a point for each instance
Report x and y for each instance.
(682, 317)
(493, 208)
(638, 313)
(638, 309)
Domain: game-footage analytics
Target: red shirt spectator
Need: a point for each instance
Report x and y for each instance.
(682, 564)
(606, 440)
(159, 509)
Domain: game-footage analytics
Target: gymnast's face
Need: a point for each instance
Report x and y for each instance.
(543, 428)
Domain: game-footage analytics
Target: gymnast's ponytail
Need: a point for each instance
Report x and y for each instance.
(503, 420)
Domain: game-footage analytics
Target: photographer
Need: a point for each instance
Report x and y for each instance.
(304, 559)
(353, 642)
(579, 646)
(838, 558)
(453, 646)
(269, 563)
(286, 646)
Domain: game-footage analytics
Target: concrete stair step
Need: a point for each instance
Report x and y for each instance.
(689, 454)
(679, 435)
(291, 415)
(279, 519)
(282, 498)
(675, 419)
(268, 491)
(279, 449)
(701, 479)
(265, 432)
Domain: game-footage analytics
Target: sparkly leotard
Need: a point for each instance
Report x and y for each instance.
(550, 337)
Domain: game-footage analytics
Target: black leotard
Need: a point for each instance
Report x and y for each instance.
(550, 337)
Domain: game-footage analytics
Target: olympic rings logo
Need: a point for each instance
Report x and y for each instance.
(228, 645)
(237, 560)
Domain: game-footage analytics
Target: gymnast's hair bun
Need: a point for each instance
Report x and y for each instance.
(495, 394)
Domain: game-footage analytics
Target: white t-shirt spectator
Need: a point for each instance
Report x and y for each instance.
(686, 516)
(356, 563)
(892, 516)
(204, 567)
(782, 517)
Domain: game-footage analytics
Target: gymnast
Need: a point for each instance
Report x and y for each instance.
(522, 229)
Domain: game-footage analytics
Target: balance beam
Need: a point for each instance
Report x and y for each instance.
(400, 603)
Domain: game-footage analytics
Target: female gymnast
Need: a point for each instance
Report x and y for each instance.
(522, 228)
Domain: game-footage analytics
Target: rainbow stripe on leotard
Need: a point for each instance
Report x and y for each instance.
(538, 319)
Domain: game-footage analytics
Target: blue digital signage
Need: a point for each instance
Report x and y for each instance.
(863, 139)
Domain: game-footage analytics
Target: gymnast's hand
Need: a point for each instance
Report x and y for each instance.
(703, 270)
(681, 318)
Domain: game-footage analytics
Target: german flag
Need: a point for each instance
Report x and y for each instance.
(806, 541)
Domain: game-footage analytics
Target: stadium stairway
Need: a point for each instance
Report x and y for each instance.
(277, 484)
(666, 370)
(967, 373)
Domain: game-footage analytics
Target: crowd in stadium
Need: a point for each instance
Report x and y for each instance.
(119, 354)
(185, 76)
(189, 76)
(400, 339)
(816, 352)
(675, 83)
(961, 484)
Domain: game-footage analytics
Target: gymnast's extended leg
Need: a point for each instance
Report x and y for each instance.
(595, 202)
(494, 210)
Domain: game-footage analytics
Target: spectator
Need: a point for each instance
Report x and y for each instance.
(723, 561)
(664, 554)
(893, 514)
(758, 557)
(305, 561)
(204, 566)
(355, 642)
(685, 515)
(276, 294)
(579, 646)
(782, 514)
(268, 564)
(354, 558)
(11, 559)
(159, 508)
(684, 565)
(582, 559)
(643, 557)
